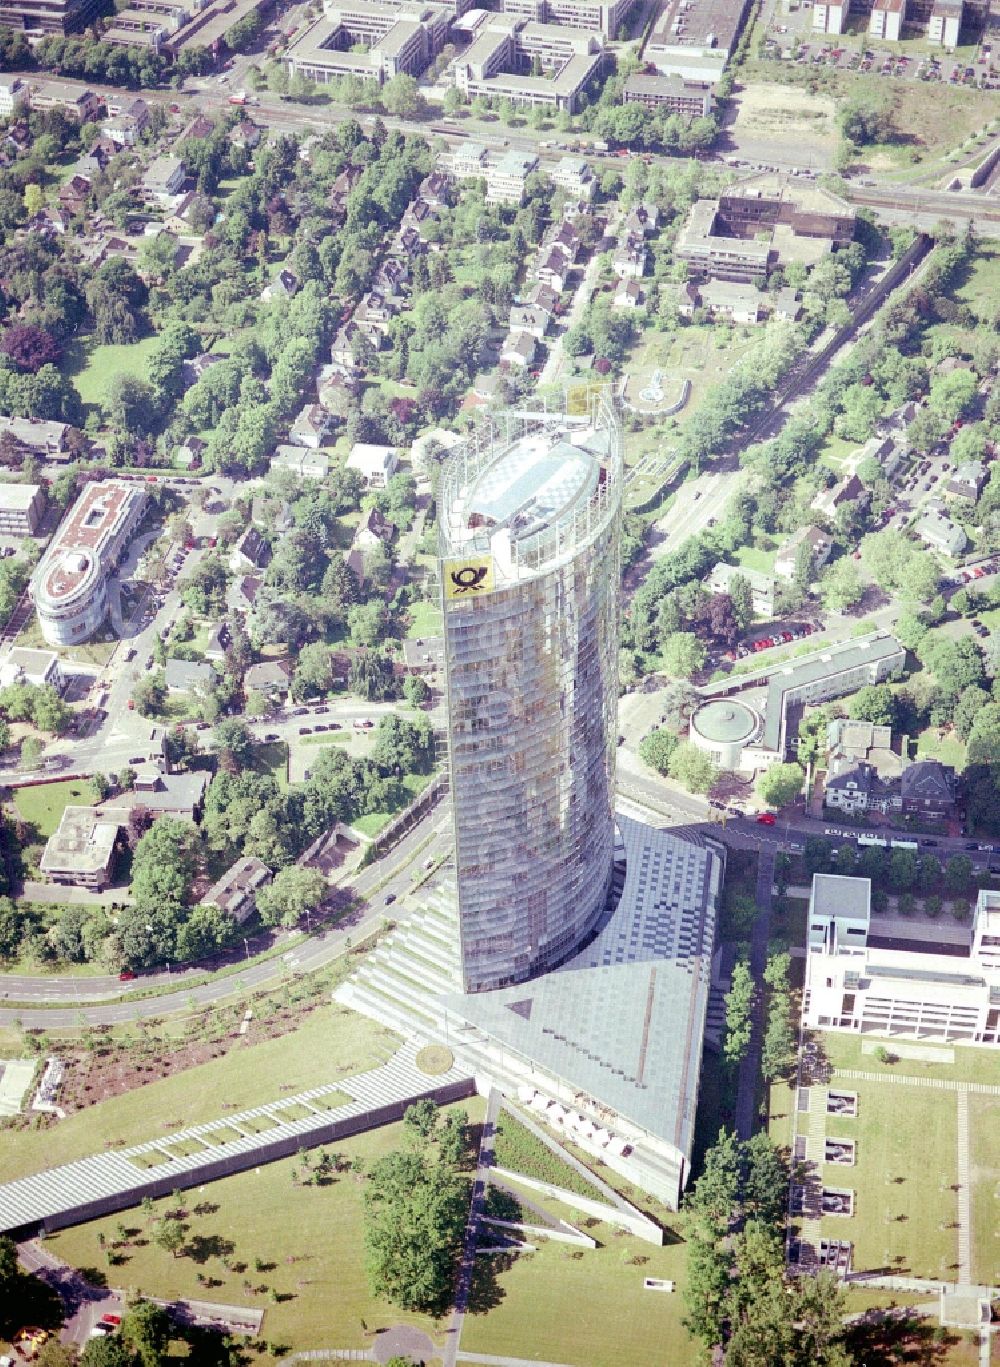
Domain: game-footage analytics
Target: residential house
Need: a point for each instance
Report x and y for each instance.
(374, 530)
(245, 134)
(543, 296)
(187, 676)
(846, 490)
(199, 127)
(967, 481)
(342, 350)
(518, 350)
(437, 441)
(178, 795)
(941, 534)
(575, 175)
(73, 195)
(761, 585)
(270, 677)
(164, 178)
(928, 789)
(284, 285)
(235, 894)
(13, 96)
(524, 318)
(301, 461)
(219, 641)
(375, 464)
(726, 299)
(642, 220)
(424, 656)
(310, 427)
(251, 552)
(554, 268)
(786, 305)
(786, 558)
(242, 593)
(860, 789)
(630, 257)
(629, 295)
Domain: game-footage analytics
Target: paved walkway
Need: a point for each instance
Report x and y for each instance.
(489, 1361)
(746, 1095)
(964, 1190)
(900, 1079)
(468, 1265)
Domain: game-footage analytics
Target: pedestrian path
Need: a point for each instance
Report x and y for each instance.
(900, 1079)
(964, 1190)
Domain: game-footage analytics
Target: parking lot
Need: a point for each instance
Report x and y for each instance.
(795, 40)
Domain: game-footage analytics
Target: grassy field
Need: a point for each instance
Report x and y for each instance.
(44, 804)
(310, 1278)
(330, 1044)
(586, 1308)
(271, 757)
(91, 366)
(905, 1206)
(970, 1065)
(984, 1132)
(425, 620)
(753, 558)
(948, 749)
(413, 785)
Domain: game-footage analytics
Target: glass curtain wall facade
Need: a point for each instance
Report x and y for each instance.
(530, 512)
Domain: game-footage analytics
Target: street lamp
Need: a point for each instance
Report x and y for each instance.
(246, 946)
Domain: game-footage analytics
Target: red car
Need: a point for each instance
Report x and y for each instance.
(126, 976)
(765, 818)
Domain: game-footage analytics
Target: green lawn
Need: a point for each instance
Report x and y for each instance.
(905, 1205)
(271, 757)
(949, 749)
(44, 804)
(582, 1307)
(314, 1291)
(753, 558)
(971, 1064)
(330, 1044)
(91, 366)
(425, 620)
(984, 1133)
(413, 785)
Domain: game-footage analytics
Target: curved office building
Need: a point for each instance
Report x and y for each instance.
(530, 512)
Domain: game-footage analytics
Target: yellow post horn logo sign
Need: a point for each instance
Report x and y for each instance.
(468, 578)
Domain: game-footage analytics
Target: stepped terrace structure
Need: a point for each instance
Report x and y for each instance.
(69, 586)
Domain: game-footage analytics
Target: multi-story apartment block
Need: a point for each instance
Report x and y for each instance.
(13, 96)
(69, 585)
(887, 19)
(48, 16)
(863, 979)
(945, 23)
(830, 16)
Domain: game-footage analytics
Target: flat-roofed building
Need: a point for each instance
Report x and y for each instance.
(830, 16)
(81, 851)
(235, 894)
(760, 223)
(887, 19)
(48, 16)
(69, 585)
(602, 17)
(21, 508)
(896, 980)
(694, 38)
(370, 38)
(945, 23)
(36, 437)
(507, 47)
(25, 665)
(82, 105)
(505, 173)
(375, 464)
(13, 96)
(680, 96)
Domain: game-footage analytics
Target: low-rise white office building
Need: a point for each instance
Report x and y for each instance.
(21, 508)
(864, 979)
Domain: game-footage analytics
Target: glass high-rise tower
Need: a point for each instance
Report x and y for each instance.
(530, 514)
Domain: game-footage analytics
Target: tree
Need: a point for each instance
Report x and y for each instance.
(404, 745)
(875, 703)
(840, 586)
(741, 596)
(781, 784)
(294, 891)
(657, 748)
(146, 1329)
(30, 347)
(739, 1003)
(233, 737)
(416, 690)
(693, 769)
(683, 655)
(313, 675)
(957, 875)
(953, 396)
(415, 1211)
(169, 1235)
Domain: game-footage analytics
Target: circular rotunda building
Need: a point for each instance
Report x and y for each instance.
(723, 728)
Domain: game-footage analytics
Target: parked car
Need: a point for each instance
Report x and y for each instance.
(765, 818)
